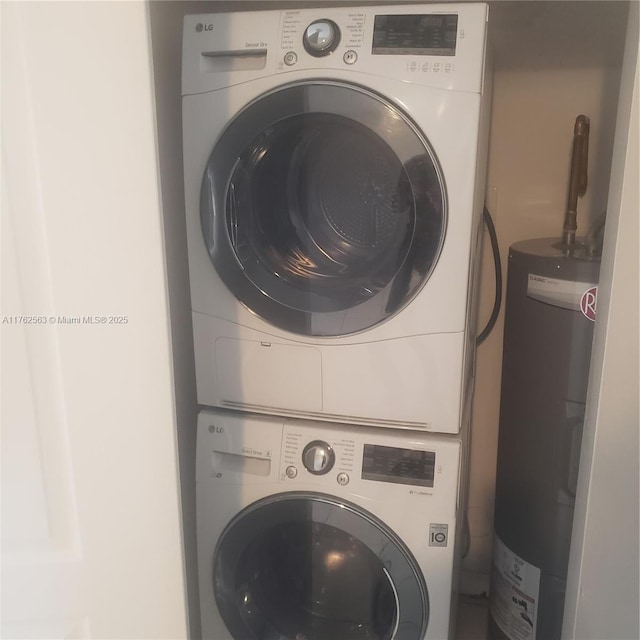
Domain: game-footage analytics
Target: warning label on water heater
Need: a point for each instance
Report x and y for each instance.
(567, 294)
(515, 585)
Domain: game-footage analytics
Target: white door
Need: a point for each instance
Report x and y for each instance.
(603, 586)
(91, 541)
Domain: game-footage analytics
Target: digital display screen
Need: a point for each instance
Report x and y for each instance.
(402, 466)
(426, 35)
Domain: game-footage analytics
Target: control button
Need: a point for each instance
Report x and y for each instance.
(318, 457)
(413, 66)
(290, 58)
(425, 67)
(350, 57)
(436, 67)
(291, 471)
(343, 479)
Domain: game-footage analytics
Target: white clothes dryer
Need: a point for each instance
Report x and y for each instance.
(307, 530)
(334, 175)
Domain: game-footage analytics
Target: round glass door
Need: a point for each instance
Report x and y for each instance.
(323, 208)
(306, 566)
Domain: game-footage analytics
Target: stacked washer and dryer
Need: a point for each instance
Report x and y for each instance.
(334, 179)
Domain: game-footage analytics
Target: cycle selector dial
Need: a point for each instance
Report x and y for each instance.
(321, 37)
(318, 457)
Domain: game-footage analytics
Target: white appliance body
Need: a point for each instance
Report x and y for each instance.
(266, 522)
(412, 367)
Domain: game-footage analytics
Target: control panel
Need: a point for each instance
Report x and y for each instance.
(425, 44)
(336, 456)
(330, 459)
(440, 45)
(321, 36)
(396, 468)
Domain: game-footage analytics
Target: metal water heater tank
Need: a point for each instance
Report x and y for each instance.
(550, 309)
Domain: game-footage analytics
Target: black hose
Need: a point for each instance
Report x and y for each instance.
(488, 220)
(466, 536)
(497, 302)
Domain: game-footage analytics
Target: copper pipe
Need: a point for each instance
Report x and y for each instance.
(577, 179)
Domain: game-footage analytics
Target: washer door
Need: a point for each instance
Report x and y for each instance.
(309, 567)
(323, 208)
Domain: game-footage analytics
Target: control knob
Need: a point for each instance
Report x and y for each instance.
(318, 457)
(321, 37)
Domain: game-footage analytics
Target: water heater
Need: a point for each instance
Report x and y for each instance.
(550, 312)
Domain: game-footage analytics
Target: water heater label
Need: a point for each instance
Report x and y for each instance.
(588, 303)
(566, 294)
(515, 585)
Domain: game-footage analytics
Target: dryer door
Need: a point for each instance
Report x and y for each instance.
(309, 566)
(323, 208)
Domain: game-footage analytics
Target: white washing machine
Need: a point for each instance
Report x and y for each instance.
(334, 174)
(319, 532)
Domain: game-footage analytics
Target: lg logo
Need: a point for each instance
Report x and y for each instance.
(203, 27)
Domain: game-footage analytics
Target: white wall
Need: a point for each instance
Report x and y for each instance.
(91, 538)
(603, 593)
